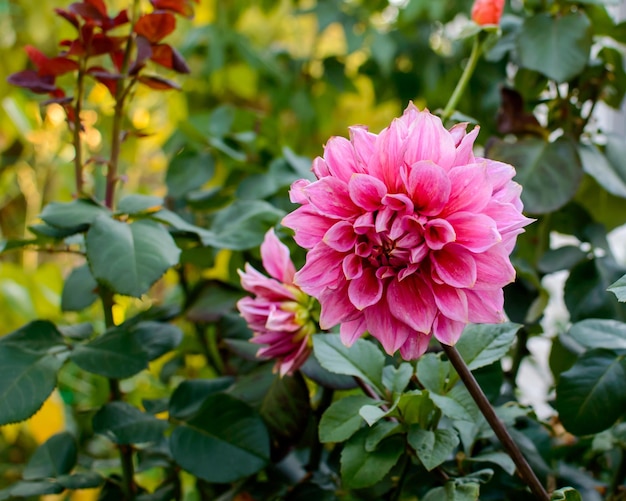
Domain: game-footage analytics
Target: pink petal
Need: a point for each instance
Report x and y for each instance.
(352, 266)
(309, 225)
(485, 306)
(475, 232)
(438, 232)
(452, 302)
(447, 331)
(464, 153)
(366, 191)
(322, 269)
(390, 146)
(415, 346)
(429, 187)
(320, 168)
(494, 269)
(296, 192)
(399, 202)
(363, 143)
(381, 324)
(429, 140)
(336, 308)
(458, 132)
(341, 237)
(470, 189)
(455, 266)
(365, 290)
(260, 285)
(330, 196)
(352, 330)
(412, 303)
(276, 259)
(339, 156)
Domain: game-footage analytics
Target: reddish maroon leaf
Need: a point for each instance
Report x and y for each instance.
(106, 78)
(63, 100)
(155, 26)
(56, 66)
(144, 52)
(158, 83)
(88, 12)
(182, 7)
(121, 18)
(99, 6)
(36, 56)
(65, 14)
(117, 57)
(30, 79)
(167, 56)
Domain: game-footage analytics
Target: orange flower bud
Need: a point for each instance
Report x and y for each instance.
(487, 11)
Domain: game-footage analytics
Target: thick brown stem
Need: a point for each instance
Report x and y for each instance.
(523, 468)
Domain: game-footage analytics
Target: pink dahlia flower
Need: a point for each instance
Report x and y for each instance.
(409, 234)
(280, 315)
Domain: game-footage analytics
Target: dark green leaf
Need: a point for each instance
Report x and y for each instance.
(26, 380)
(432, 448)
(314, 371)
(136, 204)
(611, 175)
(557, 46)
(432, 372)
(453, 491)
(595, 333)
(115, 354)
(363, 359)
(500, 458)
(187, 172)
(129, 258)
(79, 290)
(82, 480)
(76, 215)
(242, 225)
(124, 424)
(549, 172)
(39, 336)
(225, 441)
(590, 396)
(56, 456)
(566, 494)
(36, 488)
(157, 338)
(214, 301)
(189, 396)
(563, 258)
(417, 407)
(360, 468)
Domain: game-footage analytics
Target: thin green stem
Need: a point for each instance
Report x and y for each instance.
(78, 106)
(464, 80)
(523, 468)
(315, 455)
(126, 451)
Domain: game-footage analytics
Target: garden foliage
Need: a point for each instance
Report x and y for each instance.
(147, 149)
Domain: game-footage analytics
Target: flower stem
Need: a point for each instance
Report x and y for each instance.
(78, 152)
(464, 80)
(523, 468)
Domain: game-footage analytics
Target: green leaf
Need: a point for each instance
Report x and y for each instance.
(595, 333)
(342, 419)
(363, 359)
(611, 175)
(397, 379)
(417, 407)
(129, 258)
(35, 488)
(619, 289)
(39, 336)
(566, 494)
(79, 290)
(557, 46)
(549, 172)
(187, 172)
(590, 396)
(314, 371)
(188, 397)
(563, 258)
(27, 378)
(242, 225)
(483, 344)
(115, 354)
(286, 408)
(82, 480)
(500, 458)
(76, 215)
(56, 456)
(213, 302)
(432, 448)
(157, 338)
(432, 372)
(372, 413)
(453, 491)
(137, 204)
(360, 468)
(225, 441)
(379, 432)
(124, 424)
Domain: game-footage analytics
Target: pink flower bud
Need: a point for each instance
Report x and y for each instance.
(487, 11)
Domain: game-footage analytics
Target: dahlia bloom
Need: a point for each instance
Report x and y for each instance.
(487, 11)
(408, 233)
(280, 315)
